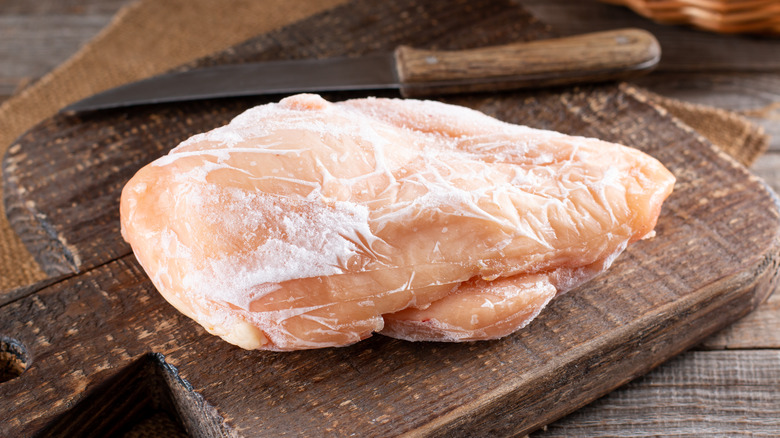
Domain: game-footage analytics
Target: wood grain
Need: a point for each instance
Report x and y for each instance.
(768, 167)
(62, 231)
(28, 54)
(759, 330)
(755, 96)
(691, 396)
(735, 73)
(100, 324)
(89, 346)
(27, 304)
(45, 8)
(684, 49)
(593, 57)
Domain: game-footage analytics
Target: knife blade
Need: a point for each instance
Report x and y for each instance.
(593, 57)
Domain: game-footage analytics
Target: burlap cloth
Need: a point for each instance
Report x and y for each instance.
(152, 36)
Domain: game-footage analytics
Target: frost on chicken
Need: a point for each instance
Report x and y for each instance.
(309, 224)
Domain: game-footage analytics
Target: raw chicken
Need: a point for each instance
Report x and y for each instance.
(309, 224)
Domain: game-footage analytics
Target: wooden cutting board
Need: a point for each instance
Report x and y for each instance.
(95, 349)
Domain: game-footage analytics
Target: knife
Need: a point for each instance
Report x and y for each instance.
(594, 57)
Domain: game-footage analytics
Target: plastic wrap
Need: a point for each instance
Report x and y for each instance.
(308, 224)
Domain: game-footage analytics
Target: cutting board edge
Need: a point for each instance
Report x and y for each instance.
(755, 285)
(39, 236)
(754, 295)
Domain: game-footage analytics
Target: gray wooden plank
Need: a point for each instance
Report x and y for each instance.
(768, 168)
(33, 45)
(702, 393)
(760, 329)
(684, 48)
(48, 7)
(619, 413)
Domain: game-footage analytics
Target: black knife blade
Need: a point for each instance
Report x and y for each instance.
(585, 58)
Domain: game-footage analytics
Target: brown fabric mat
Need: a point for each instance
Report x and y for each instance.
(735, 135)
(158, 425)
(130, 48)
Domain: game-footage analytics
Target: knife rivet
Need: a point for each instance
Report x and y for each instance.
(432, 60)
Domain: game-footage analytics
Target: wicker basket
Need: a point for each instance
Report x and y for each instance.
(723, 16)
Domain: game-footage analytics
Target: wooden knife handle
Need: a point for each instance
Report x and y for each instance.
(593, 57)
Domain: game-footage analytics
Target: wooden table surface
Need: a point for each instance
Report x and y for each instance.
(730, 384)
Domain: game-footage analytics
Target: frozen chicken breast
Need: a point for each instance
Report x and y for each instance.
(307, 224)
